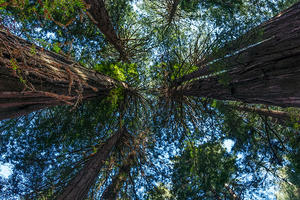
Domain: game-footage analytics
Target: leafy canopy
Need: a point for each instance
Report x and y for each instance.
(177, 142)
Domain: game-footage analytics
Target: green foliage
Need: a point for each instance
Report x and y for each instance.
(49, 9)
(118, 71)
(54, 145)
(287, 190)
(160, 192)
(48, 147)
(16, 68)
(3, 4)
(189, 6)
(202, 172)
(56, 47)
(14, 64)
(180, 70)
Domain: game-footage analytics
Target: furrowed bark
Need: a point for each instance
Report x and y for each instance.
(32, 78)
(267, 73)
(98, 14)
(265, 31)
(79, 187)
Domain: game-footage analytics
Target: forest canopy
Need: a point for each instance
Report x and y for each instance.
(150, 99)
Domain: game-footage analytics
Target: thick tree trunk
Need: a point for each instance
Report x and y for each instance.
(79, 187)
(98, 14)
(250, 39)
(267, 73)
(32, 78)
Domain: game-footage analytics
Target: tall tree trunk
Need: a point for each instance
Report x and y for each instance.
(266, 73)
(173, 10)
(98, 14)
(32, 78)
(111, 192)
(250, 39)
(80, 185)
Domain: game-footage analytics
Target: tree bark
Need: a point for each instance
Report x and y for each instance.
(173, 10)
(32, 78)
(80, 185)
(251, 38)
(111, 192)
(98, 14)
(267, 73)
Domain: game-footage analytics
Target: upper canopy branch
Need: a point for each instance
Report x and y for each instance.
(98, 14)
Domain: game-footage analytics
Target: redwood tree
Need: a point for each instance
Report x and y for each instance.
(111, 191)
(33, 78)
(80, 185)
(266, 72)
(49, 149)
(98, 14)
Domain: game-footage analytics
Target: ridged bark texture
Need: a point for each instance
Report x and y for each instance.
(79, 187)
(98, 14)
(267, 73)
(32, 78)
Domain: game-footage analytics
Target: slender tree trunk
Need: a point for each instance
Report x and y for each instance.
(32, 78)
(267, 73)
(111, 192)
(98, 14)
(278, 116)
(232, 193)
(173, 10)
(80, 185)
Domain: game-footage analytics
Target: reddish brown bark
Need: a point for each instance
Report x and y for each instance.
(252, 37)
(32, 78)
(267, 73)
(79, 187)
(98, 14)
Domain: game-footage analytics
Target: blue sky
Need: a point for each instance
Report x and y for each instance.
(5, 170)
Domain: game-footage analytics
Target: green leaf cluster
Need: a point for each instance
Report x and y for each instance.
(119, 71)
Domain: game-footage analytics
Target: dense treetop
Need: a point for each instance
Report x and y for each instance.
(177, 142)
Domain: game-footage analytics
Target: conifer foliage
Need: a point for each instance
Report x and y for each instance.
(140, 99)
